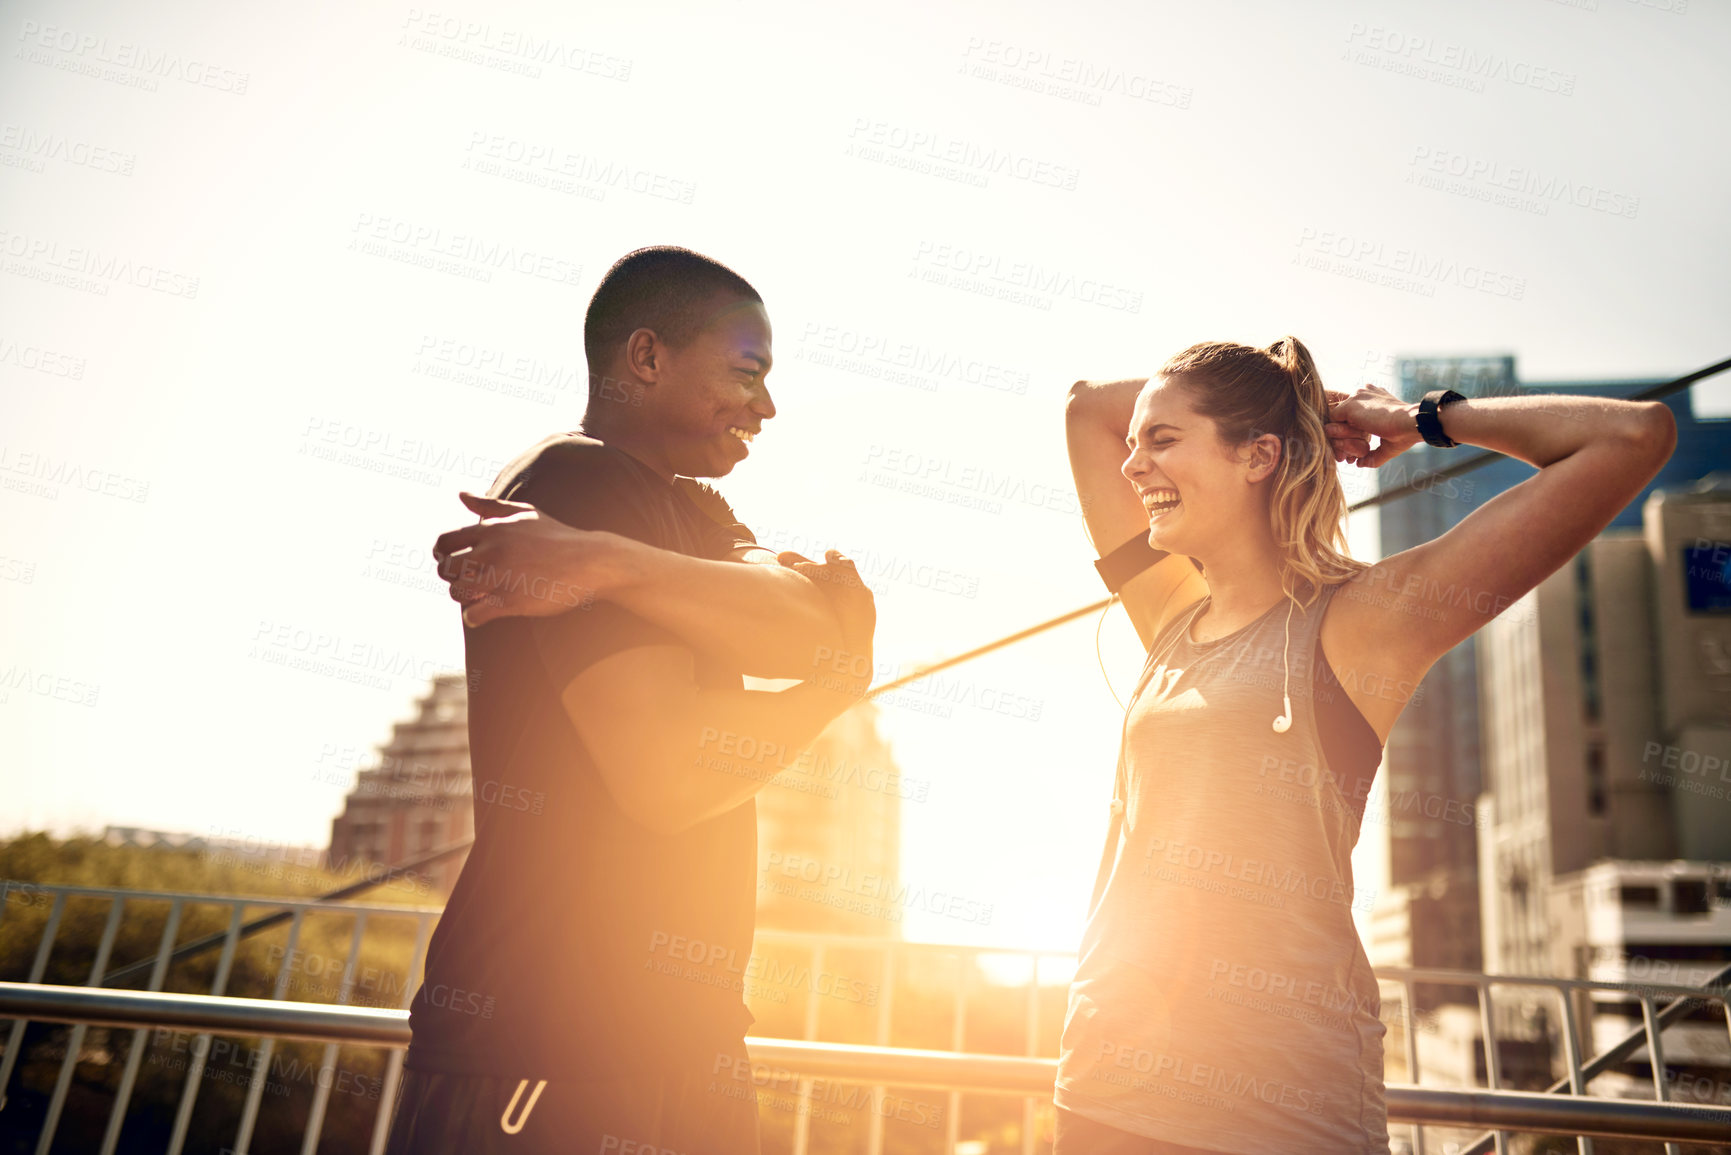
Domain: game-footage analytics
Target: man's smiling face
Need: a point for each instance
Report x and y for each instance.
(711, 397)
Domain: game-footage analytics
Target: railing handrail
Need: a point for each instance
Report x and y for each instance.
(1635, 987)
(286, 902)
(996, 1074)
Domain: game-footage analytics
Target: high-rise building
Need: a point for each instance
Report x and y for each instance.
(1430, 913)
(1606, 818)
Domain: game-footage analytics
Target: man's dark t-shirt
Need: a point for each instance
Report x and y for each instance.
(577, 942)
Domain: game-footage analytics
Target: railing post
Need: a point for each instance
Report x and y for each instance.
(1656, 1058)
(875, 1139)
(1572, 1051)
(802, 1101)
(135, 1053)
(38, 967)
(327, 1063)
(1409, 1005)
(201, 1044)
(1493, 1063)
(75, 1042)
(394, 1065)
(267, 1045)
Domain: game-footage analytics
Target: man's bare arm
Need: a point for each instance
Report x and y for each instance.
(772, 620)
(673, 755)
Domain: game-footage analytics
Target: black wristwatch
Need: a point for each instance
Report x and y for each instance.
(1430, 424)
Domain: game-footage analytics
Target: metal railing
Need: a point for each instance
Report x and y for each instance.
(992, 1074)
(878, 1065)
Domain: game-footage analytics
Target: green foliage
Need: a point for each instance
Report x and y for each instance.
(292, 1071)
(846, 991)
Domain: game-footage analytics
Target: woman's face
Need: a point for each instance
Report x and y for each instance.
(1194, 489)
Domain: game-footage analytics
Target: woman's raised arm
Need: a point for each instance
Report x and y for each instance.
(1594, 456)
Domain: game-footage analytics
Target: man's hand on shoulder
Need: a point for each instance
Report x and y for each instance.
(518, 562)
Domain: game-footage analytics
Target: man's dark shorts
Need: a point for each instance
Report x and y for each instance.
(691, 1112)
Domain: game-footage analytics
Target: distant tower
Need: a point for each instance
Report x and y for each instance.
(418, 797)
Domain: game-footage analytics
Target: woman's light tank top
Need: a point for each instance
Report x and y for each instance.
(1222, 999)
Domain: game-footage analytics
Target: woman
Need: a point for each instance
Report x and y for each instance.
(1222, 1001)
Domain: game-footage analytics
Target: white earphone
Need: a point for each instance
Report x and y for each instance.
(1284, 723)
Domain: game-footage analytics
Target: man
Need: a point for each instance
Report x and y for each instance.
(583, 988)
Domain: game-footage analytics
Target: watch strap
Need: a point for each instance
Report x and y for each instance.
(1429, 419)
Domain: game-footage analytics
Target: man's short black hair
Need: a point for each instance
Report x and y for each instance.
(665, 288)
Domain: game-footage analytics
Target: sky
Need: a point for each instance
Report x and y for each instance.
(275, 285)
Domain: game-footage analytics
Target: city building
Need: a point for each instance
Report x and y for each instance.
(1430, 912)
(1604, 828)
(417, 798)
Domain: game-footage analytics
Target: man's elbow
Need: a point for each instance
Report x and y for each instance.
(807, 637)
(1655, 429)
